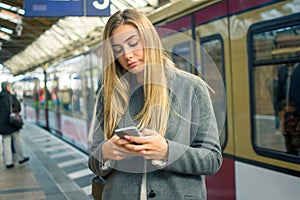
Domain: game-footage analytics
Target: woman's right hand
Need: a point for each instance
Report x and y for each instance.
(113, 149)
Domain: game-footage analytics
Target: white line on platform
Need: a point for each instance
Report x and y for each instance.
(80, 173)
(73, 162)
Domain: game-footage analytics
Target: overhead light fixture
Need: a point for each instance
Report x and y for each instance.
(11, 13)
(12, 8)
(3, 5)
(6, 30)
(10, 16)
(85, 48)
(4, 36)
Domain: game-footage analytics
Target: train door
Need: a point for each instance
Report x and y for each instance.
(29, 85)
(73, 90)
(211, 31)
(34, 97)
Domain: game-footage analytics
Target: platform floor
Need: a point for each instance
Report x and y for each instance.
(55, 171)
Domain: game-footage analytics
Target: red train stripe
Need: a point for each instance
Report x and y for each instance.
(222, 184)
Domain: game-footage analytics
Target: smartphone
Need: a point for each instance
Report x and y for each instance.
(131, 130)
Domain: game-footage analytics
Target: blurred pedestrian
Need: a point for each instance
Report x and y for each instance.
(66, 98)
(7, 130)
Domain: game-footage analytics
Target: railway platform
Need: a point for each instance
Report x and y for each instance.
(55, 171)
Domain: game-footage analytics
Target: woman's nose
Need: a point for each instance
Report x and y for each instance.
(128, 53)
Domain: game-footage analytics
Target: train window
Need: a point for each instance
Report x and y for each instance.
(213, 46)
(181, 56)
(67, 84)
(275, 84)
(30, 86)
(278, 45)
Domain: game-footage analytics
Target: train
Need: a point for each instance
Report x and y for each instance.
(248, 42)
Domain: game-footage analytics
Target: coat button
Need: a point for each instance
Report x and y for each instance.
(151, 194)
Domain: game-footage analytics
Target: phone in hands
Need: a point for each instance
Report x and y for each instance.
(131, 130)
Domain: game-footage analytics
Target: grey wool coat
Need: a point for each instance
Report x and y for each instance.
(194, 150)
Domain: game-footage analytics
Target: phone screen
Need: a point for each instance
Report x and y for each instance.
(132, 130)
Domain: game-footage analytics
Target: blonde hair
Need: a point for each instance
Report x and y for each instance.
(154, 114)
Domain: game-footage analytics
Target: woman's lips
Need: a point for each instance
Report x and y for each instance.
(133, 64)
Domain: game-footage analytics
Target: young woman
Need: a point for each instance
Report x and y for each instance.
(141, 87)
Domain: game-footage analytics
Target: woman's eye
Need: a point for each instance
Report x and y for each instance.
(117, 50)
(133, 44)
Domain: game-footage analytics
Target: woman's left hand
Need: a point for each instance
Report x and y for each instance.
(151, 145)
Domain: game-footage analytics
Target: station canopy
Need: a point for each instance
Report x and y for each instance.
(28, 43)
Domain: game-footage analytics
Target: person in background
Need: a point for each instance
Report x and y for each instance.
(273, 91)
(173, 110)
(66, 98)
(289, 105)
(7, 130)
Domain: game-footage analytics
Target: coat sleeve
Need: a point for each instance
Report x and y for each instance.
(202, 156)
(95, 162)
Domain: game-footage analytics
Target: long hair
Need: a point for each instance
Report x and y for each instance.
(154, 114)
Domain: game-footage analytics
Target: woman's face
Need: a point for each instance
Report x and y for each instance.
(128, 49)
